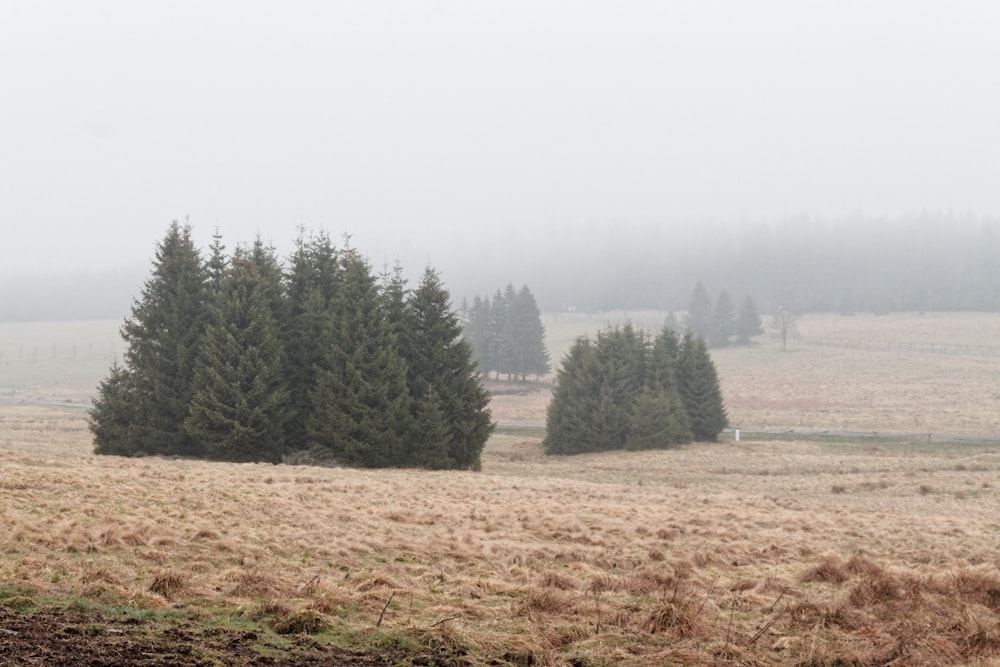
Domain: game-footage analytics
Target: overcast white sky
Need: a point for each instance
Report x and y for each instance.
(411, 124)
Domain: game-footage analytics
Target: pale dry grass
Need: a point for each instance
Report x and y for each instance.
(706, 554)
(761, 553)
(818, 387)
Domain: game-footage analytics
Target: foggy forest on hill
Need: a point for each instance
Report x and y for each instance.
(924, 262)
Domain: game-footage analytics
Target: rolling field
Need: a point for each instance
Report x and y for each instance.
(758, 553)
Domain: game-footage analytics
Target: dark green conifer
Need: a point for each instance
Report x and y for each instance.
(698, 385)
(431, 444)
(439, 358)
(216, 266)
(623, 354)
(112, 419)
(658, 421)
(663, 360)
(271, 276)
(311, 286)
(575, 420)
(163, 336)
(360, 403)
(240, 401)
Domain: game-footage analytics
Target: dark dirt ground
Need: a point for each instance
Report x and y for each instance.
(66, 637)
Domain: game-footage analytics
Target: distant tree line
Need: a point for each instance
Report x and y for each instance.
(627, 390)
(929, 261)
(721, 324)
(507, 335)
(240, 358)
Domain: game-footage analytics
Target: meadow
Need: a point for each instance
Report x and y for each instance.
(762, 552)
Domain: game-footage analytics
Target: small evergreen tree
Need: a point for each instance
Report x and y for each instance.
(576, 421)
(498, 349)
(216, 265)
(239, 406)
(699, 316)
(112, 419)
(621, 391)
(504, 318)
(698, 385)
(311, 286)
(658, 421)
(748, 322)
(163, 336)
(723, 322)
(663, 361)
(525, 336)
(439, 359)
(623, 356)
(477, 333)
(433, 450)
(394, 297)
(360, 404)
(272, 280)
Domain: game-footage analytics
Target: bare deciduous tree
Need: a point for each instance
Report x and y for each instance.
(784, 325)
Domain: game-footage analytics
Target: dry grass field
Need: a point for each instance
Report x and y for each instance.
(757, 553)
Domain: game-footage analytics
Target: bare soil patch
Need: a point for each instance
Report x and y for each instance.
(57, 636)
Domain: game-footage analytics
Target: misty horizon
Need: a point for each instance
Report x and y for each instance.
(924, 262)
(424, 129)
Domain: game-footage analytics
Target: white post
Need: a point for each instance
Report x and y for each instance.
(736, 435)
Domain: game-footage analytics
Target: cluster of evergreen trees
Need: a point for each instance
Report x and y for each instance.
(628, 390)
(507, 334)
(239, 359)
(718, 325)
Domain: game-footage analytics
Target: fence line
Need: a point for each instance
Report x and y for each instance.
(873, 435)
(513, 427)
(31, 354)
(903, 346)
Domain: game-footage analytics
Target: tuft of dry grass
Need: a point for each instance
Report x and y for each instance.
(832, 569)
(170, 584)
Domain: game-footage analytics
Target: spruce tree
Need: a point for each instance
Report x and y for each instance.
(271, 276)
(698, 384)
(658, 421)
(506, 348)
(440, 359)
(433, 432)
(360, 403)
(723, 321)
(477, 332)
(163, 336)
(699, 316)
(215, 268)
(112, 419)
(394, 296)
(576, 419)
(663, 360)
(624, 391)
(239, 406)
(748, 322)
(623, 355)
(524, 334)
(311, 285)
